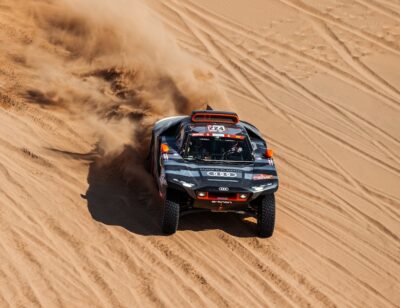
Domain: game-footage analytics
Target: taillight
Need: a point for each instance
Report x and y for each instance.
(268, 153)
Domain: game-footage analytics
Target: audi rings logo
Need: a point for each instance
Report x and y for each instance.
(223, 188)
(222, 174)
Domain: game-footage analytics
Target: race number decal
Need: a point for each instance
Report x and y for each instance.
(216, 128)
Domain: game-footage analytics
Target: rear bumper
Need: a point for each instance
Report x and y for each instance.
(254, 190)
(221, 205)
(219, 201)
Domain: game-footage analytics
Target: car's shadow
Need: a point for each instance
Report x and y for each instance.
(122, 193)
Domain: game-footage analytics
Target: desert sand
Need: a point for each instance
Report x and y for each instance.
(82, 82)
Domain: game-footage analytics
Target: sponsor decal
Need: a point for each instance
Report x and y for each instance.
(220, 169)
(223, 188)
(270, 162)
(221, 202)
(234, 136)
(239, 137)
(257, 177)
(222, 174)
(201, 135)
(216, 128)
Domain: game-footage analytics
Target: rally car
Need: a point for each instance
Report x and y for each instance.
(212, 161)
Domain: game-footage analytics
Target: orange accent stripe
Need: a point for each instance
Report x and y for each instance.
(219, 135)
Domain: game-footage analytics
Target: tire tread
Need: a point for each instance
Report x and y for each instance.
(170, 218)
(266, 216)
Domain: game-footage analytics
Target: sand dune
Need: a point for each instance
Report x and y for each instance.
(81, 83)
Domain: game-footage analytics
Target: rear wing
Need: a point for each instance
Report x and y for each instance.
(211, 116)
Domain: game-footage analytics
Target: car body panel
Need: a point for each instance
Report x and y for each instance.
(221, 179)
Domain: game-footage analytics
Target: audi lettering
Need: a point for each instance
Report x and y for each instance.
(222, 174)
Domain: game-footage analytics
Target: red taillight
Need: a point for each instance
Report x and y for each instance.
(269, 153)
(213, 196)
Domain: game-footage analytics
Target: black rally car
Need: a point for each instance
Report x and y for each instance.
(211, 161)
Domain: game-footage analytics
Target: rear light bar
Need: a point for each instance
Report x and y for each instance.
(239, 137)
(237, 197)
(230, 118)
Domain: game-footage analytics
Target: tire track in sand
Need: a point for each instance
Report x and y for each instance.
(375, 6)
(36, 266)
(89, 268)
(285, 49)
(346, 204)
(313, 164)
(329, 107)
(391, 4)
(272, 106)
(26, 288)
(380, 250)
(253, 293)
(332, 39)
(301, 279)
(337, 266)
(365, 155)
(311, 11)
(296, 298)
(389, 204)
(309, 216)
(326, 130)
(191, 271)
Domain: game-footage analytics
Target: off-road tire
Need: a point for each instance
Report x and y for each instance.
(266, 216)
(170, 218)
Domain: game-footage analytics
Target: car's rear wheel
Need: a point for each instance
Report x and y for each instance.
(266, 216)
(170, 218)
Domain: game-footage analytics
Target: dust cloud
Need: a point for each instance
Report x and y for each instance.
(114, 65)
